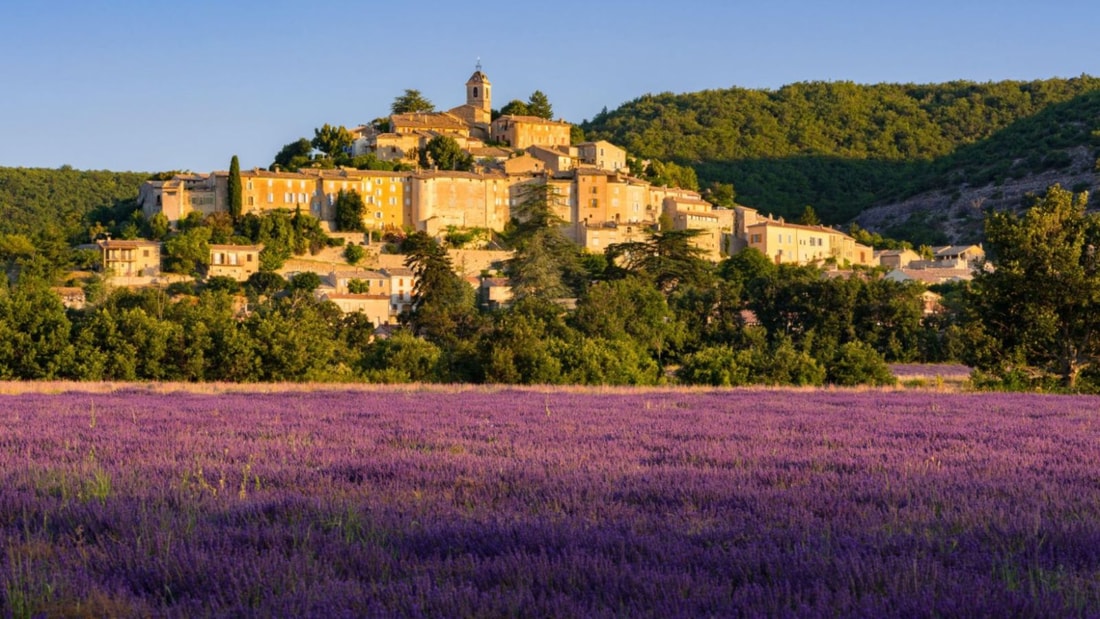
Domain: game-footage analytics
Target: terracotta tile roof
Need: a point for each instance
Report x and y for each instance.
(238, 247)
(427, 120)
(122, 244)
(531, 120)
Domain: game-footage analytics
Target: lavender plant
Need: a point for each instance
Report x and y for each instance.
(535, 503)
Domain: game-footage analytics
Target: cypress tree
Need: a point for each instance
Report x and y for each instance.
(235, 189)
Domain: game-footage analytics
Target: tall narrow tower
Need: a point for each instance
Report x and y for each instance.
(478, 91)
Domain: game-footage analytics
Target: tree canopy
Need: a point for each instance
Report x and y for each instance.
(350, 208)
(293, 156)
(842, 146)
(443, 152)
(1038, 305)
(334, 141)
(411, 101)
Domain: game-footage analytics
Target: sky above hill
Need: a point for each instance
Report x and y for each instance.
(153, 86)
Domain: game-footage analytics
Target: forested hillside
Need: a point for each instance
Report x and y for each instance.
(843, 147)
(34, 201)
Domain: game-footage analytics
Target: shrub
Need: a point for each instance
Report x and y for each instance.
(354, 253)
(857, 363)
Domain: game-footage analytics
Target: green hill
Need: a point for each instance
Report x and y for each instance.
(36, 201)
(843, 147)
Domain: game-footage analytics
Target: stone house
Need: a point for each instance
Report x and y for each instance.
(235, 261)
(525, 131)
(127, 258)
(603, 155)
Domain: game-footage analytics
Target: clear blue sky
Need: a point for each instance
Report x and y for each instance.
(149, 86)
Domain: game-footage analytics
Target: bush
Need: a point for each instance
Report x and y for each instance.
(856, 363)
(222, 282)
(713, 365)
(354, 253)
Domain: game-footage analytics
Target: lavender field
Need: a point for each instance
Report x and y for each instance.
(527, 503)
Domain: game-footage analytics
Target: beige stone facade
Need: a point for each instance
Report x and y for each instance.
(787, 243)
(524, 131)
(461, 199)
(603, 155)
(555, 159)
(235, 261)
(596, 239)
(376, 307)
(130, 258)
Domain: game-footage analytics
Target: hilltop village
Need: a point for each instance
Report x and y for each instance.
(596, 195)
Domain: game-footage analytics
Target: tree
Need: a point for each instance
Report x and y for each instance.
(809, 217)
(1040, 301)
(305, 282)
(410, 102)
(539, 105)
(444, 153)
(188, 252)
(515, 107)
(159, 226)
(630, 308)
(442, 304)
(34, 333)
(293, 156)
(349, 211)
(235, 191)
(856, 363)
(354, 253)
(720, 194)
(544, 259)
(668, 257)
(332, 140)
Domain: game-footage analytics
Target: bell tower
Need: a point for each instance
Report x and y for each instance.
(478, 90)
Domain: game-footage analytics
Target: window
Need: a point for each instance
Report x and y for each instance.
(248, 257)
(145, 253)
(595, 203)
(250, 185)
(270, 197)
(251, 201)
(594, 190)
(378, 215)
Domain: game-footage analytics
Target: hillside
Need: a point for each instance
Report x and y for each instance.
(845, 148)
(60, 202)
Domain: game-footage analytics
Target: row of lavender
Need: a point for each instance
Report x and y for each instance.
(527, 503)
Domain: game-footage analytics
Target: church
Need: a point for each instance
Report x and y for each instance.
(471, 125)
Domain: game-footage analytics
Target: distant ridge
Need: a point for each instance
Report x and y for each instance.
(844, 147)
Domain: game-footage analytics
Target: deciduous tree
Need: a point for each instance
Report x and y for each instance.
(1040, 300)
(444, 153)
(333, 140)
